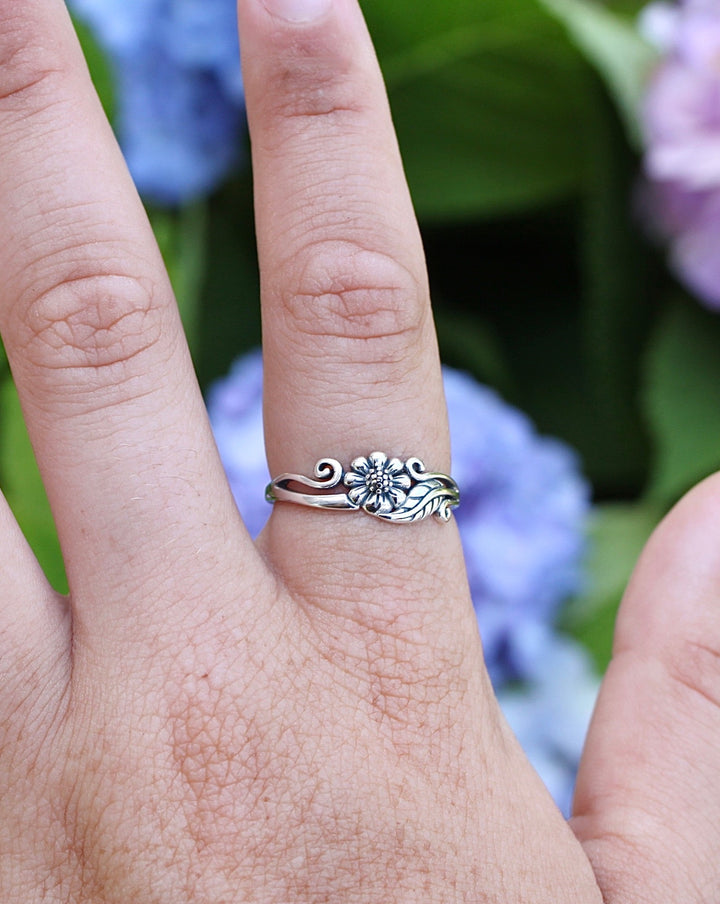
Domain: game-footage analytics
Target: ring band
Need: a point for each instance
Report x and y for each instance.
(386, 488)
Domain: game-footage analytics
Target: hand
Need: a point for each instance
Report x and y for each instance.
(308, 719)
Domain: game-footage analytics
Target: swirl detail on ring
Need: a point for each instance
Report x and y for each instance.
(386, 488)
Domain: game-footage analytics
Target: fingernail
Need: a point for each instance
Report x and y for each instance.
(298, 10)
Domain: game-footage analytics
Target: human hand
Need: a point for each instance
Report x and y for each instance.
(308, 719)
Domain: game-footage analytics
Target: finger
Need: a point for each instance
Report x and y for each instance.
(350, 354)
(92, 332)
(32, 614)
(647, 807)
(351, 363)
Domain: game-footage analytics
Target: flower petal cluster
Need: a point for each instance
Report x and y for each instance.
(235, 408)
(377, 483)
(550, 712)
(180, 95)
(681, 121)
(522, 518)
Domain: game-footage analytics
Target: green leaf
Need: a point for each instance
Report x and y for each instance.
(23, 488)
(487, 100)
(618, 302)
(618, 534)
(100, 70)
(469, 343)
(230, 308)
(182, 235)
(613, 45)
(682, 399)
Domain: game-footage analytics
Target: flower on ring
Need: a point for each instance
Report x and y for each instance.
(376, 484)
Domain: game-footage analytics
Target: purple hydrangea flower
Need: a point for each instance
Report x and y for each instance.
(681, 120)
(522, 517)
(177, 66)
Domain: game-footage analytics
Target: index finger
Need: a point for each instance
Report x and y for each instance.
(93, 334)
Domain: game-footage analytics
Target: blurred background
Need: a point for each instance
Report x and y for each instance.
(564, 160)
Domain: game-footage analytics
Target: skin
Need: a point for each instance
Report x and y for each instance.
(307, 719)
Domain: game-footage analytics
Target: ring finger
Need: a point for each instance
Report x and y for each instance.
(351, 362)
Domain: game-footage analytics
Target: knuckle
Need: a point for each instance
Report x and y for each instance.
(312, 84)
(307, 98)
(96, 323)
(696, 667)
(363, 300)
(24, 70)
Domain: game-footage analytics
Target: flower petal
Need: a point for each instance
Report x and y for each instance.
(402, 480)
(361, 465)
(359, 495)
(378, 459)
(372, 502)
(395, 466)
(353, 479)
(385, 506)
(397, 495)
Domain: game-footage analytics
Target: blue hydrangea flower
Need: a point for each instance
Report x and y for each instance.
(235, 408)
(177, 66)
(550, 712)
(522, 517)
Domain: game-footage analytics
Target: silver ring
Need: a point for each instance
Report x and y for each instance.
(386, 488)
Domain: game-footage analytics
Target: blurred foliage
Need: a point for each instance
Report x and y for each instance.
(487, 100)
(100, 70)
(181, 236)
(618, 533)
(614, 46)
(518, 124)
(23, 487)
(681, 390)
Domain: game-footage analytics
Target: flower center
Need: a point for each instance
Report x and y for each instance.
(378, 480)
